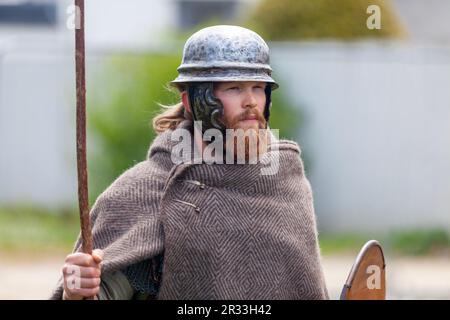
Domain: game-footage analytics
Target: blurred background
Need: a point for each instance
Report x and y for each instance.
(364, 90)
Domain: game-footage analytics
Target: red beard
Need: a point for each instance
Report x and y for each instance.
(247, 143)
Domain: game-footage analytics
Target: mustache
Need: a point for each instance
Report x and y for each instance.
(249, 113)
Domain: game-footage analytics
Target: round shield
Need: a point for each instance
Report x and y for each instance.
(367, 278)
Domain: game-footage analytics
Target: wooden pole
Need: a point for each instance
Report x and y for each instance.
(83, 200)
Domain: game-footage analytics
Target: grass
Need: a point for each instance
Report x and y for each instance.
(27, 229)
(420, 242)
(331, 243)
(30, 229)
(411, 242)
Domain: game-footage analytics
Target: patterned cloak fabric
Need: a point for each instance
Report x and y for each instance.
(225, 231)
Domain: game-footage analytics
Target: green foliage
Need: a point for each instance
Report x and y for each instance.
(306, 19)
(123, 101)
(284, 117)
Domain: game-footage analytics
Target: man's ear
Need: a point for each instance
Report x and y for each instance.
(185, 101)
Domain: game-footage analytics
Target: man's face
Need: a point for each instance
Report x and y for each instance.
(243, 104)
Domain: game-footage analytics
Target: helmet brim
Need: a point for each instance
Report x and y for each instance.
(224, 75)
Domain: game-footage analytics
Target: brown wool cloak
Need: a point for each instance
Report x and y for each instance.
(224, 231)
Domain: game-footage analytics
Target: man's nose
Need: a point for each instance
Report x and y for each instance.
(250, 99)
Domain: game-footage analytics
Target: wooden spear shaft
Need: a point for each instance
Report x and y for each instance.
(83, 200)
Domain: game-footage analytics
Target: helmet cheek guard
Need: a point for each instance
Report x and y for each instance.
(205, 106)
(268, 105)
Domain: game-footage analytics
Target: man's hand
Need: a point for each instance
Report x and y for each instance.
(81, 274)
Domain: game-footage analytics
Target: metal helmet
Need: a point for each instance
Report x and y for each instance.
(219, 54)
(225, 53)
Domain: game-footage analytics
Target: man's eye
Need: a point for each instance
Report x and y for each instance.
(233, 88)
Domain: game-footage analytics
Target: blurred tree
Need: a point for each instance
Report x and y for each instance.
(307, 19)
(123, 100)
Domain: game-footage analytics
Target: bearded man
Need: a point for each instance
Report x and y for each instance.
(222, 222)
